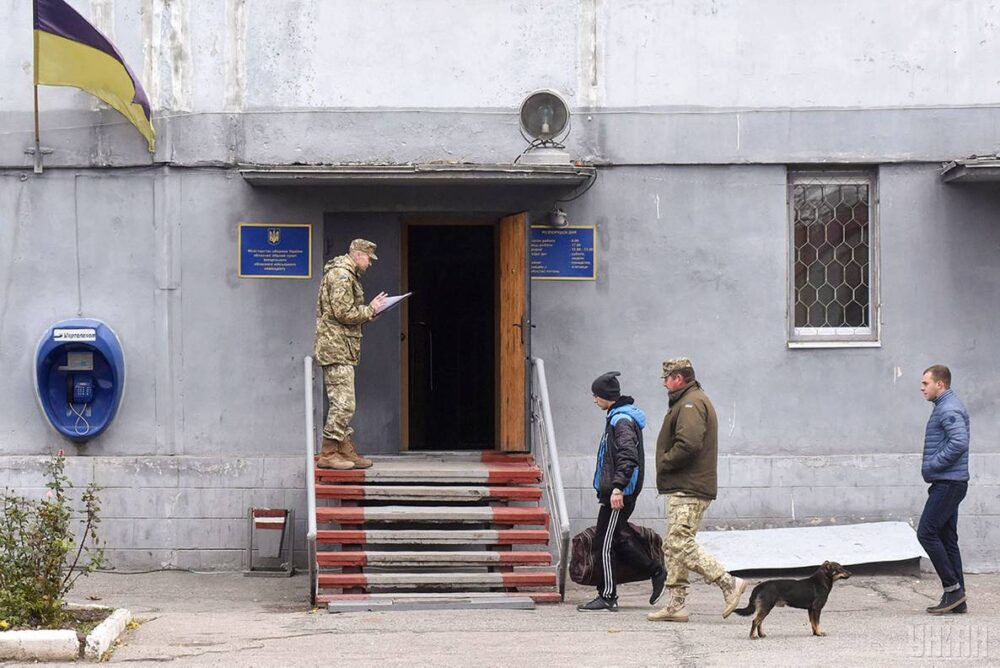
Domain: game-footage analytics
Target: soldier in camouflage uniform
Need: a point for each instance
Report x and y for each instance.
(687, 460)
(340, 313)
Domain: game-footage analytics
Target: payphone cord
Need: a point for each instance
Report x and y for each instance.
(80, 419)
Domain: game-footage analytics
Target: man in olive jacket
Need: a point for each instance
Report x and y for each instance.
(340, 313)
(687, 459)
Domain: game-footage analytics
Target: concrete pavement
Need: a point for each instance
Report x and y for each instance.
(226, 619)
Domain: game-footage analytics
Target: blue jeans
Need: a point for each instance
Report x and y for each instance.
(938, 530)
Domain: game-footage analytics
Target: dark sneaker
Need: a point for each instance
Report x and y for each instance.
(949, 601)
(659, 577)
(598, 604)
(962, 608)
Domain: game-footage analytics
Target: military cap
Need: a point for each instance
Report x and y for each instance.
(675, 364)
(364, 246)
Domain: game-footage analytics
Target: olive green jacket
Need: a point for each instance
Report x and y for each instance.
(687, 449)
(340, 312)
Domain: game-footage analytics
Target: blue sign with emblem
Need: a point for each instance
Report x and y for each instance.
(563, 253)
(275, 251)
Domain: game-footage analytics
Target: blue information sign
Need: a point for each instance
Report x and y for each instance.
(563, 253)
(275, 251)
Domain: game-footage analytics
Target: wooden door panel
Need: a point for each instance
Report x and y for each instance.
(512, 332)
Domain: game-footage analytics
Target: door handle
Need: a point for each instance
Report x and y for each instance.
(521, 325)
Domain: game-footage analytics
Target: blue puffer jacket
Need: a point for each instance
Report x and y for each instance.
(946, 441)
(620, 456)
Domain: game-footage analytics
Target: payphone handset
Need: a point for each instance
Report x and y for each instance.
(79, 387)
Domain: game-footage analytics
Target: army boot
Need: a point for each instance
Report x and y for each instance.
(732, 589)
(348, 452)
(674, 610)
(330, 457)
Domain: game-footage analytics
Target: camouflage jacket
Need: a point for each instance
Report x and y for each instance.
(340, 312)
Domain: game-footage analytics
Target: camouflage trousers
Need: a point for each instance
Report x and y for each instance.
(684, 515)
(339, 381)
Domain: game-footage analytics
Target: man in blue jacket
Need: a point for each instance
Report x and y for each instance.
(618, 481)
(946, 468)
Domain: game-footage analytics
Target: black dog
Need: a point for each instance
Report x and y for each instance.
(808, 594)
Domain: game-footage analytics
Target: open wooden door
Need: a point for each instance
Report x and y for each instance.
(513, 333)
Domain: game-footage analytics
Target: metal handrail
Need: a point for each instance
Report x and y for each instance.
(553, 474)
(310, 384)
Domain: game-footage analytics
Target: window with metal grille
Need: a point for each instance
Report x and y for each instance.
(833, 286)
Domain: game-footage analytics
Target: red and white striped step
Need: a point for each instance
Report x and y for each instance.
(426, 493)
(439, 514)
(447, 579)
(433, 537)
(432, 598)
(408, 512)
(422, 471)
(433, 558)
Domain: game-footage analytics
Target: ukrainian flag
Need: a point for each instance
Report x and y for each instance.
(71, 52)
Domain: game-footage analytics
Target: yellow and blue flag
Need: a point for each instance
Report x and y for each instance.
(69, 51)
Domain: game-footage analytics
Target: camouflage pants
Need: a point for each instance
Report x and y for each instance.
(339, 381)
(684, 515)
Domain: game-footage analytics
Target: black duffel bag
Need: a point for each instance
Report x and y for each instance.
(583, 568)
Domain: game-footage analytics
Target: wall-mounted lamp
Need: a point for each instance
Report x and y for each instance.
(557, 218)
(544, 119)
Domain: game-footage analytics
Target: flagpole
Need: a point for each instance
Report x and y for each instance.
(38, 134)
(37, 137)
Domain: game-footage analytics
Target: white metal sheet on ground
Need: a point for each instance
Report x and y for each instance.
(764, 549)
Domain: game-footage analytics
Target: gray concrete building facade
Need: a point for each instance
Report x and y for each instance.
(720, 131)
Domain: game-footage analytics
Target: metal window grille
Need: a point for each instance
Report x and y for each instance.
(832, 294)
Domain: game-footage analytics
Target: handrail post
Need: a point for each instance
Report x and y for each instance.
(555, 473)
(310, 382)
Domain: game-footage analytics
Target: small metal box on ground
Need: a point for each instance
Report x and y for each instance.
(272, 535)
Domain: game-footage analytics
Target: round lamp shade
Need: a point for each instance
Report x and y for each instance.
(544, 115)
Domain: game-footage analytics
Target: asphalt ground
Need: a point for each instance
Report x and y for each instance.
(226, 619)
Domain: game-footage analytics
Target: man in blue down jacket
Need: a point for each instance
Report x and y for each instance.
(618, 481)
(946, 468)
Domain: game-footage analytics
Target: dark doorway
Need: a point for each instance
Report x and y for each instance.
(451, 325)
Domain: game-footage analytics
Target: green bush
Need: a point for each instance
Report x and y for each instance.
(40, 557)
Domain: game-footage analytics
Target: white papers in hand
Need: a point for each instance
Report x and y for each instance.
(391, 303)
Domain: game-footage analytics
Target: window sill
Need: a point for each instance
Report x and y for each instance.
(794, 345)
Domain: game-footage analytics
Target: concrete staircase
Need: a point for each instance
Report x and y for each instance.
(434, 530)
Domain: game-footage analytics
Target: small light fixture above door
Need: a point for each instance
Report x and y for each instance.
(557, 218)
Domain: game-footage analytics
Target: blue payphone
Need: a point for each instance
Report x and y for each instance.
(79, 377)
